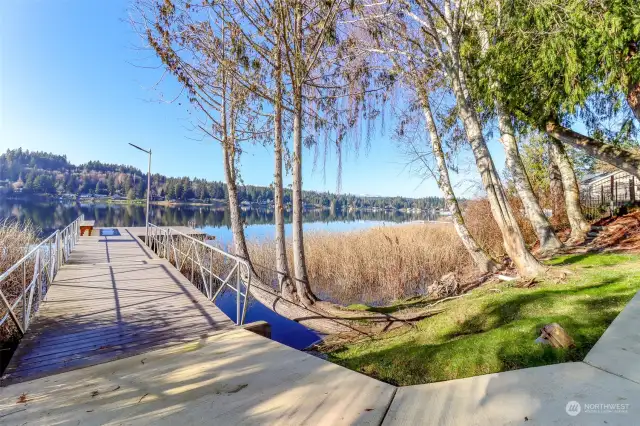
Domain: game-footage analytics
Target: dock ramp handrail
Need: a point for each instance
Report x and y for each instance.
(209, 268)
(35, 272)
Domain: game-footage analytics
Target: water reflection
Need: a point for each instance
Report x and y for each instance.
(49, 216)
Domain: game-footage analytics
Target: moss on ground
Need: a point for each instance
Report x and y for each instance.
(493, 328)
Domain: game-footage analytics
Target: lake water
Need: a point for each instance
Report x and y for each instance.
(49, 216)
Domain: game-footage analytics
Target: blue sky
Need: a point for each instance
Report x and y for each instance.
(70, 85)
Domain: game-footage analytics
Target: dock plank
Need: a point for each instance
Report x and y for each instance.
(113, 299)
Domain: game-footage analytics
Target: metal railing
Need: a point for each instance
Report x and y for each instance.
(34, 273)
(607, 196)
(210, 269)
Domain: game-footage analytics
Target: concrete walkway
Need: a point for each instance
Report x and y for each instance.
(532, 396)
(618, 350)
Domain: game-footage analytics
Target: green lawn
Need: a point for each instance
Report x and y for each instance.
(489, 331)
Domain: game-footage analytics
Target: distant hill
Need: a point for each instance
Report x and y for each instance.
(24, 172)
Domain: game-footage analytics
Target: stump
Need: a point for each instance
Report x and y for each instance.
(553, 334)
(446, 286)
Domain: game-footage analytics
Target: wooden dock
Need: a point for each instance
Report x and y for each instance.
(139, 231)
(114, 299)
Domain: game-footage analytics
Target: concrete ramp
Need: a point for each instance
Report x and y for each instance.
(618, 349)
(233, 378)
(538, 396)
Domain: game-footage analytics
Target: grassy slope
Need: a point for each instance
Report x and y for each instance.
(489, 331)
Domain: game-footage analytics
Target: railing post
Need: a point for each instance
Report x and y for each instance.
(246, 295)
(24, 295)
(37, 275)
(50, 275)
(238, 294)
(168, 255)
(57, 251)
(166, 246)
(211, 275)
(51, 259)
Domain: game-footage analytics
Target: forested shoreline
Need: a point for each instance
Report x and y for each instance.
(41, 173)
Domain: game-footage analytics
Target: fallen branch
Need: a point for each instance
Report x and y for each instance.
(506, 278)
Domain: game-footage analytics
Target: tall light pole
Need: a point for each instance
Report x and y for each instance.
(146, 225)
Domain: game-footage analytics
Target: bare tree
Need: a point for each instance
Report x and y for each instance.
(408, 63)
(285, 284)
(261, 30)
(435, 28)
(200, 50)
(306, 30)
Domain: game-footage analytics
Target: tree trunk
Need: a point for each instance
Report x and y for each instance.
(633, 98)
(513, 241)
(556, 192)
(633, 86)
(579, 225)
(229, 156)
(484, 263)
(287, 289)
(282, 265)
(239, 242)
(549, 242)
(303, 289)
(618, 157)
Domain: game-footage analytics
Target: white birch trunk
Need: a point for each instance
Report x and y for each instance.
(483, 262)
(555, 190)
(303, 289)
(526, 264)
(285, 285)
(579, 225)
(549, 242)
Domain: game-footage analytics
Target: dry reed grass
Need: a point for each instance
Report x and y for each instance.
(479, 220)
(15, 240)
(375, 265)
